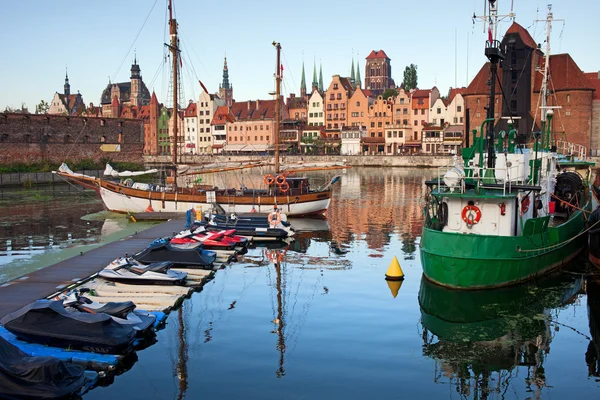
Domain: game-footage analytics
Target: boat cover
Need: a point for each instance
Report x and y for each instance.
(25, 377)
(161, 250)
(48, 322)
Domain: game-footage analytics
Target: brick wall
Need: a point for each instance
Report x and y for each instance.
(55, 138)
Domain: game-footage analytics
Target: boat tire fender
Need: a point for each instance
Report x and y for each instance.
(471, 215)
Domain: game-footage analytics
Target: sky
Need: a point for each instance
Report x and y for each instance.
(98, 40)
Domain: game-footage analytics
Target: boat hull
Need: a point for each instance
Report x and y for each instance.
(481, 261)
(127, 200)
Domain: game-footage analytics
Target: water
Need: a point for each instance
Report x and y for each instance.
(324, 324)
(42, 225)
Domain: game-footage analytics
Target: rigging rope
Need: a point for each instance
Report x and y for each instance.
(559, 244)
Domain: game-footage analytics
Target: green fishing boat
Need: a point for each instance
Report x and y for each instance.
(513, 207)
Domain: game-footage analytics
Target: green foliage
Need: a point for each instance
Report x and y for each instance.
(389, 93)
(410, 77)
(42, 107)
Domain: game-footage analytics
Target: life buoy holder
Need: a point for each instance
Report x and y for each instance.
(269, 179)
(284, 187)
(280, 180)
(274, 218)
(525, 202)
(471, 215)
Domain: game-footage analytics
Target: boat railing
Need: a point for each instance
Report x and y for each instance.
(479, 178)
(571, 149)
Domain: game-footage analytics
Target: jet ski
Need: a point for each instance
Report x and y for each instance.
(48, 322)
(188, 255)
(254, 231)
(129, 270)
(122, 312)
(213, 240)
(26, 377)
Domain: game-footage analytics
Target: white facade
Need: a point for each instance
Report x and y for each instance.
(316, 115)
(57, 106)
(207, 104)
(351, 139)
(452, 114)
(190, 129)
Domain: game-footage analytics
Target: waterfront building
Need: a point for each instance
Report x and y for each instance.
(420, 104)
(297, 107)
(207, 106)
(524, 63)
(218, 128)
(66, 103)
(380, 117)
(149, 115)
(226, 88)
(315, 126)
(190, 128)
(378, 73)
(163, 137)
(118, 96)
(351, 137)
(397, 133)
(358, 107)
(336, 104)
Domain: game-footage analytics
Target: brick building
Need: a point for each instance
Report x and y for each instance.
(378, 72)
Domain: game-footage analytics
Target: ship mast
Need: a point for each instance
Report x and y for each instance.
(277, 105)
(175, 51)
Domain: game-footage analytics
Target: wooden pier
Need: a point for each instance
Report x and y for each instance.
(55, 278)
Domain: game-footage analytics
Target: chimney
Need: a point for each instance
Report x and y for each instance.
(257, 104)
(598, 74)
(249, 104)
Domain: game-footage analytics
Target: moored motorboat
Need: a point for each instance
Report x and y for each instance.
(131, 271)
(48, 322)
(26, 377)
(189, 255)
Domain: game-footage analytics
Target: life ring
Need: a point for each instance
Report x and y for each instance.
(268, 179)
(284, 187)
(525, 202)
(274, 218)
(280, 180)
(468, 217)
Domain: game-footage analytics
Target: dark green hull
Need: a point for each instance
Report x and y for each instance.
(464, 261)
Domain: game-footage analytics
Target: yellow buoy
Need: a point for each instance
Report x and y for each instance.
(394, 272)
(394, 287)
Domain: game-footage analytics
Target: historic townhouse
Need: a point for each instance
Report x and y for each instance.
(351, 139)
(401, 128)
(358, 107)
(336, 105)
(380, 118)
(420, 104)
(316, 121)
(219, 125)
(207, 106)
(190, 128)
(66, 103)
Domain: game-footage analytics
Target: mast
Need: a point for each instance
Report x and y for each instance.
(175, 51)
(277, 105)
(494, 54)
(280, 317)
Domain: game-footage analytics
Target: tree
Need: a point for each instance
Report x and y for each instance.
(410, 77)
(42, 107)
(389, 93)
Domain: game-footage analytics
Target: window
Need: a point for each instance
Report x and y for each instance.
(568, 98)
(459, 109)
(416, 122)
(439, 110)
(358, 104)
(335, 85)
(389, 135)
(423, 111)
(402, 101)
(435, 120)
(379, 124)
(416, 112)
(513, 105)
(372, 124)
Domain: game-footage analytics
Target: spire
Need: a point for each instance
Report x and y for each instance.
(303, 82)
(352, 76)
(135, 69)
(67, 86)
(321, 78)
(358, 82)
(315, 83)
(225, 84)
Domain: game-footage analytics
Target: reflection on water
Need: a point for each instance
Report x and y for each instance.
(315, 318)
(480, 338)
(47, 224)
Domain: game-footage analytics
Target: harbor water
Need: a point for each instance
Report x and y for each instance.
(317, 320)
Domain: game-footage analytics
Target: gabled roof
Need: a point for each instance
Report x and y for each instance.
(222, 116)
(479, 84)
(346, 83)
(421, 93)
(191, 110)
(454, 91)
(594, 78)
(564, 75)
(365, 92)
(523, 33)
(377, 54)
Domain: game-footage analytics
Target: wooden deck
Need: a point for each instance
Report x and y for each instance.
(44, 282)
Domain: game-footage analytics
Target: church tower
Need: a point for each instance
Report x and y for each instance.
(67, 86)
(315, 82)
(303, 83)
(136, 84)
(321, 79)
(225, 88)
